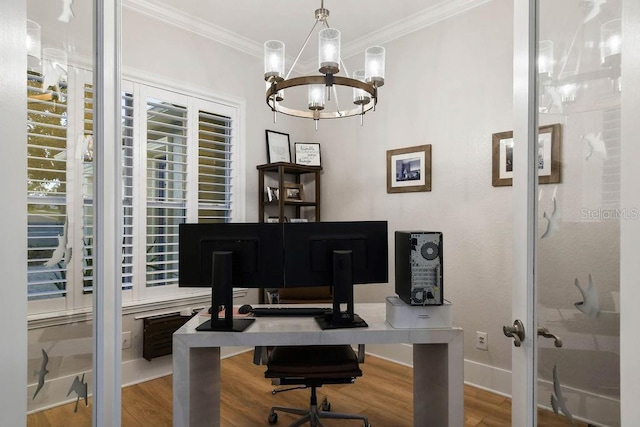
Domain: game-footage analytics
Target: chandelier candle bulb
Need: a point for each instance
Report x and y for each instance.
(374, 64)
(34, 46)
(329, 51)
(273, 60)
(611, 42)
(33, 39)
(316, 97)
(360, 97)
(545, 58)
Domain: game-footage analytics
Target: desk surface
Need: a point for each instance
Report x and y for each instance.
(437, 362)
(297, 330)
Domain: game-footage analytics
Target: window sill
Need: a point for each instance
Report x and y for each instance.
(139, 308)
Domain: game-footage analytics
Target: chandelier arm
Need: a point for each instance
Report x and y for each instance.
(304, 45)
(579, 59)
(335, 95)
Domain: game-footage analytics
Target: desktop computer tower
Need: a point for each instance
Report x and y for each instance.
(419, 267)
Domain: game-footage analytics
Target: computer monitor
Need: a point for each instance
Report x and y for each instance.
(338, 254)
(221, 256)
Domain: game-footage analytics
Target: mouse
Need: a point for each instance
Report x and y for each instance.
(244, 309)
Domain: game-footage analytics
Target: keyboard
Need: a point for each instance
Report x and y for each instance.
(290, 311)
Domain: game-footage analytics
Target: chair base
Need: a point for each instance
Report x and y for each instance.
(315, 413)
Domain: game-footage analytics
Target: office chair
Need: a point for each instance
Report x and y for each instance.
(311, 367)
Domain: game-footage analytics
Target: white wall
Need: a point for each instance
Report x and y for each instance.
(450, 86)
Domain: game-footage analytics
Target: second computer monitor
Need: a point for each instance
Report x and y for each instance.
(308, 259)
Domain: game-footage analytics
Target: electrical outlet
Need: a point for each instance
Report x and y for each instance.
(482, 340)
(126, 339)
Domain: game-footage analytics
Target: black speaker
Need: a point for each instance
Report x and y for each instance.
(419, 267)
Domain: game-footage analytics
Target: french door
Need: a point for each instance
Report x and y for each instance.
(572, 165)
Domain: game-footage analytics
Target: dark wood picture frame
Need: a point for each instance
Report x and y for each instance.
(293, 192)
(278, 147)
(409, 169)
(502, 156)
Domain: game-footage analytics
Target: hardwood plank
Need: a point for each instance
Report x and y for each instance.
(383, 393)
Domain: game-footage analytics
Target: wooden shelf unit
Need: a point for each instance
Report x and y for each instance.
(285, 173)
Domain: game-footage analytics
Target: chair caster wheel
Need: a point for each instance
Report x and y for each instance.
(273, 418)
(326, 406)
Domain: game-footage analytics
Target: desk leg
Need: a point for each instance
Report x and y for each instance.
(196, 385)
(438, 384)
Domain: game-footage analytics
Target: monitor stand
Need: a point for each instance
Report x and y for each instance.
(342, 294)
(222, 296)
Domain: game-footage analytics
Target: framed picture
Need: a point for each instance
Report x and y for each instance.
(307, 153)
(273, 194)
(278, 148)
(298, 220)
(549, 152)
(293, 192)
(409, 169)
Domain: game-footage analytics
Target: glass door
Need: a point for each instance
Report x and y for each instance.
(571, 168)
(579, 210)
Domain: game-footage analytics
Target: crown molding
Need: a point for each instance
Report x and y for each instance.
(410, 24)
(178, 18)
(393, 31)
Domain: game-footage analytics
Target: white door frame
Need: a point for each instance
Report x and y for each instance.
(13, 225)
(523, 358)
(107, 294)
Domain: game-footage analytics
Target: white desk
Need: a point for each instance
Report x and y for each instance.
(437, 362)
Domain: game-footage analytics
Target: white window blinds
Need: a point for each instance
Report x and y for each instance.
(166, 188)
(47, 254)
(215, 166)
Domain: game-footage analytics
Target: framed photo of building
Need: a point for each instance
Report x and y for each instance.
(549, 153)
(409, 169)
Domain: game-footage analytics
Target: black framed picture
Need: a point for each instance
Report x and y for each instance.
(278, 148)
(307, 153)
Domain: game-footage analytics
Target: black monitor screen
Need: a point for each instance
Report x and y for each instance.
(257, 253)
(309, 251)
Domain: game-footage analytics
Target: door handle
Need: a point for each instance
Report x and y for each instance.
(544, 332)
(516, 332)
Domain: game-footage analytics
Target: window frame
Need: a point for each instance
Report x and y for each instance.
(139, 297)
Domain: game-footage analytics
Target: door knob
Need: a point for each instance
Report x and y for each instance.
(544, 332)
(516, 332)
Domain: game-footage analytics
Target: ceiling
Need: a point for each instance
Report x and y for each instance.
(247, 24)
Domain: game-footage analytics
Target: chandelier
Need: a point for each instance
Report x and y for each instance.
(363, 83)
(588, 64)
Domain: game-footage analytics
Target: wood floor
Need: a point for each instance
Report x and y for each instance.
(383, 393)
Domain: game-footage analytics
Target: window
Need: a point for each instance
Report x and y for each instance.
(178, 164)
